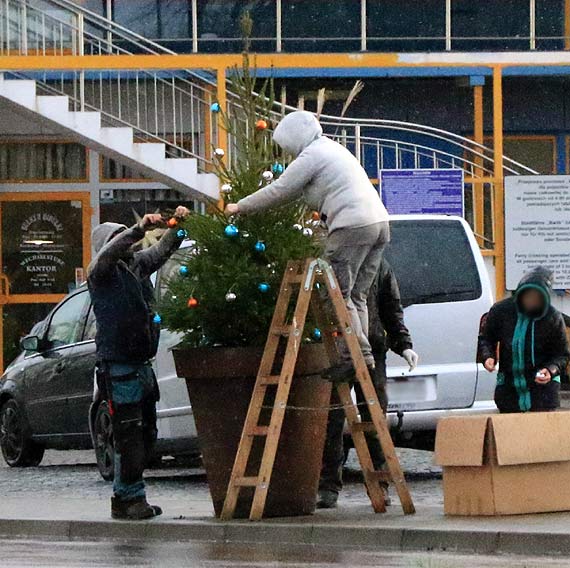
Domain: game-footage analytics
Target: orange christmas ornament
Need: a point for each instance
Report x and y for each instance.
(261, 124)
(315, 216)
(192, 302)
(172, 222)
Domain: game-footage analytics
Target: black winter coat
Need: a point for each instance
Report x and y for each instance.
(387, 329)
(545, 346)
(123, 296)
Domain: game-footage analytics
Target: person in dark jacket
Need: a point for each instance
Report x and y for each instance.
(126, 340)
(526, 335)
(387, 331)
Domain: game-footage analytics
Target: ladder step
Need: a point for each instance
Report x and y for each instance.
(259, 431)
(270, 380)
(247, 481)
(363, 427)
(283, 330)
(378, 476)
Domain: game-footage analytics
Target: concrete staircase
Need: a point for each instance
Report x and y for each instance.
(117, 143)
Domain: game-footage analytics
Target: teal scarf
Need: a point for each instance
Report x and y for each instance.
(519, 342)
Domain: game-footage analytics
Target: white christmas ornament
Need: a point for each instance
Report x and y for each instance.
(230, 297)
(298, 227)
(307, 232)
(219, 152)
(267, 176)
(226, 188)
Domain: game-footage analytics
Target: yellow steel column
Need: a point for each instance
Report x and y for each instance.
(478, 188)
(498, 194)
(222, 133)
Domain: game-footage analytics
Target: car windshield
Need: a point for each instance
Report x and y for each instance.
(433, 262)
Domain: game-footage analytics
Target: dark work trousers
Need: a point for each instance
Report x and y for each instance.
(333, 455)
(132, 392)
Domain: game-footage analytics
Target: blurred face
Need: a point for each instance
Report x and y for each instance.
(532, 302)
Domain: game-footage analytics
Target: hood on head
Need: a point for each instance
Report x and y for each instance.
(540, 279)
(296, 131)
(103, 233)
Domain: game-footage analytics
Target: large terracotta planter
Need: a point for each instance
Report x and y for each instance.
(220, 383)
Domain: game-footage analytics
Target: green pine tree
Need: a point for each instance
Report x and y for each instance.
(233, 281)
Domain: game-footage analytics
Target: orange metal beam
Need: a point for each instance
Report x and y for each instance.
(498, 201)
(478, 188)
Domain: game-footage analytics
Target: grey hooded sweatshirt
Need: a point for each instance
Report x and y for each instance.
(324, 173)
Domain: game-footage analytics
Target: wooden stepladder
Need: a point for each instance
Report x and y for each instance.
(304, 275)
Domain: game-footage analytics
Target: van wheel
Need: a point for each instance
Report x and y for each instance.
(18, 449)
(104, 442)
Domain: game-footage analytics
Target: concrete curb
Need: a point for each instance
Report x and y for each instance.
(346, 536)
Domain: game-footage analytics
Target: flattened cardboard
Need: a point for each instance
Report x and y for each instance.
(460, 441)
(524, 463)
(537, 437)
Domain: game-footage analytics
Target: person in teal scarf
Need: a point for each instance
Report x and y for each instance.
(526, 336)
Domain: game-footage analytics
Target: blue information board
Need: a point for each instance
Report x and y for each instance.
(423, 191)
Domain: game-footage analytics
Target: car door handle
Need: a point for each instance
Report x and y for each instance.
(59, 367)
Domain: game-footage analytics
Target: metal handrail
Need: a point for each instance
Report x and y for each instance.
(114, 36)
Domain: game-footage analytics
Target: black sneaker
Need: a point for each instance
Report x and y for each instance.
(327, 500)
(134, 509)
(342, 373)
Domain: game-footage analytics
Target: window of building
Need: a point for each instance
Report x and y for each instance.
(111, 170)
(536, 152)
(550, 24)
(42, 161)
(219, 25)
(127, 206)
(419, 26)
(314, 26)
(495, 25)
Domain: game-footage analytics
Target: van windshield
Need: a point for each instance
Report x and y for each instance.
(433, 262)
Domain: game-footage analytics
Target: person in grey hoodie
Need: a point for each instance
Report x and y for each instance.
(332, 181)
(126, 340)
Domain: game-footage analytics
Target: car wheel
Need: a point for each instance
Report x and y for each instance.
(104, 442)
(18, 449)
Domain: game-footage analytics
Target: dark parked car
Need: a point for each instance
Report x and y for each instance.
(48, 398)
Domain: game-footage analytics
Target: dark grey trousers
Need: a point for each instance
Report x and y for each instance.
(356, 255)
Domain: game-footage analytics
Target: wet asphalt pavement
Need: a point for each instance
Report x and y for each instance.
(222, 555)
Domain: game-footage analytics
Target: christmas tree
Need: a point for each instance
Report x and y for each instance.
(226, 289)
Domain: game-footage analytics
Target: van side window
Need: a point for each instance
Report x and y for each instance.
(64, 325)
(90, 326)
(433, 262)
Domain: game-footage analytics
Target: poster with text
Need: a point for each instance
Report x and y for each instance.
(407, 192)
(537, 227)
(42, 245)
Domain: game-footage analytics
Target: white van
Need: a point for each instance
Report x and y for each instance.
(445, 290)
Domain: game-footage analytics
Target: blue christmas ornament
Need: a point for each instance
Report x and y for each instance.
(215, 107)
(277, 168)
(231, 230)
(182, 233)
(157, 318)
(183, 270)
(259, 246)
(317, 333)
(263, 287)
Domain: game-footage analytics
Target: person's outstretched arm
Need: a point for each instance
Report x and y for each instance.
(151, 259)
(287, 188)
(391, 313)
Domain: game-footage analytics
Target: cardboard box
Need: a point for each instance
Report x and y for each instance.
(505, 464)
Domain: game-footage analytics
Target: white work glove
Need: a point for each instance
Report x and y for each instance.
(411, 358)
